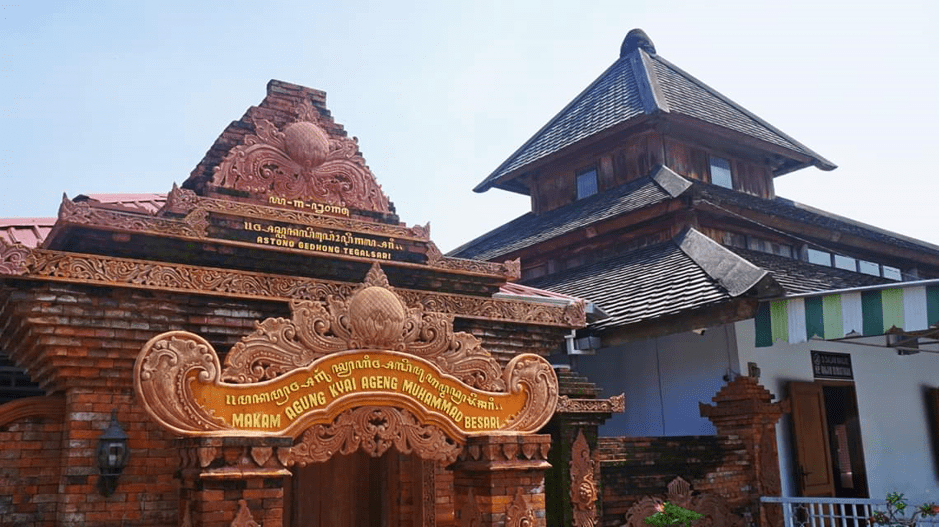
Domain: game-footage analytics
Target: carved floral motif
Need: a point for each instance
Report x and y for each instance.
(583, 486)
(713, 507)
(374, 430)
(372, 317)
(310, 366)
(437, 260)
(244, 518)
(164, 371)
(195, 224)
(14, 258)
(302, 162)
(615, 404)
(137, 273)
(520, 513)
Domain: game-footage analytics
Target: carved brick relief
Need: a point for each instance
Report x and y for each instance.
(469, 513)
(18, 260)
(372, 317)
(302, 162)
(615, 404)
(373, 430)
(316, 374)
(520, 513)
(714, 508)
(244, 518)
(583, 487)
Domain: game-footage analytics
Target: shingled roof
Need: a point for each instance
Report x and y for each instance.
(792, 210)
(32, 231)
(659, 186)
(799, 277)
(687, 273)
(527, 230)
(638, 85)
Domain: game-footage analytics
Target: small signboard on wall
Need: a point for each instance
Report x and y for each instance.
(827, 365)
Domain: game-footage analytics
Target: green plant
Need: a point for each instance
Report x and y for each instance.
(895, 515)
(669, 514)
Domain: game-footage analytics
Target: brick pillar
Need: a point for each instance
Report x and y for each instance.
(232, 478)
(744, 408)
(498, 480)
(579, 411)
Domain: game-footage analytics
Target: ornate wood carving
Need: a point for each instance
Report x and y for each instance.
(121, 272)
(244, 518)
(615, 404)
(302, 162)
(14, 258)
(372, 317)
(374, 430)
(714, 508)
(194, 225)
(520, 513)
(498, 309)
(469, 512)
(583, 487)
(437, 260)
(309, 370)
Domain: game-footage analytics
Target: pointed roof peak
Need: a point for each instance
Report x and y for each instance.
(638, 87)
(636, 39)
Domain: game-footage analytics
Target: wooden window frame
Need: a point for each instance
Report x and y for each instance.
(730, 170)
(596, 181)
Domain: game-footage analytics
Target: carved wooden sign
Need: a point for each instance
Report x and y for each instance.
(366, 350)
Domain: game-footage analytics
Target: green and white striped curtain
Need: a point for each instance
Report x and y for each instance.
(836, 315)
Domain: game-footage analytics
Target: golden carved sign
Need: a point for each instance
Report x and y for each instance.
(365, 350)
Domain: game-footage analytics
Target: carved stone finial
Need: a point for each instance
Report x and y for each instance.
(636, 39)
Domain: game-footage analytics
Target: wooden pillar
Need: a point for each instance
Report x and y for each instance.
(744, 408)
(232, 481)
(499, 480)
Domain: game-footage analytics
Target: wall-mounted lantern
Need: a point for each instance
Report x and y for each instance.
(112, 455)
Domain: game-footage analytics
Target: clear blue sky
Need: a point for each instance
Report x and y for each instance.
(127, 96)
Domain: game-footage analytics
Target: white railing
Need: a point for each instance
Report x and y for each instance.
(833, 512)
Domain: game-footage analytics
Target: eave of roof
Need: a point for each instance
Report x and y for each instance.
(666, 279)
(32, 232)
(660, 185)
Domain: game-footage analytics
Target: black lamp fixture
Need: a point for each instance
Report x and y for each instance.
(112, 455)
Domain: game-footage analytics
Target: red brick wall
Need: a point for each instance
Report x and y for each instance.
(634, 467)
(81, 342)
(29, 471)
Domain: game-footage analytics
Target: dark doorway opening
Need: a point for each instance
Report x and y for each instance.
(357, 490)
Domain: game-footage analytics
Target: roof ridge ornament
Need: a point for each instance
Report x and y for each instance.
(636, 39)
